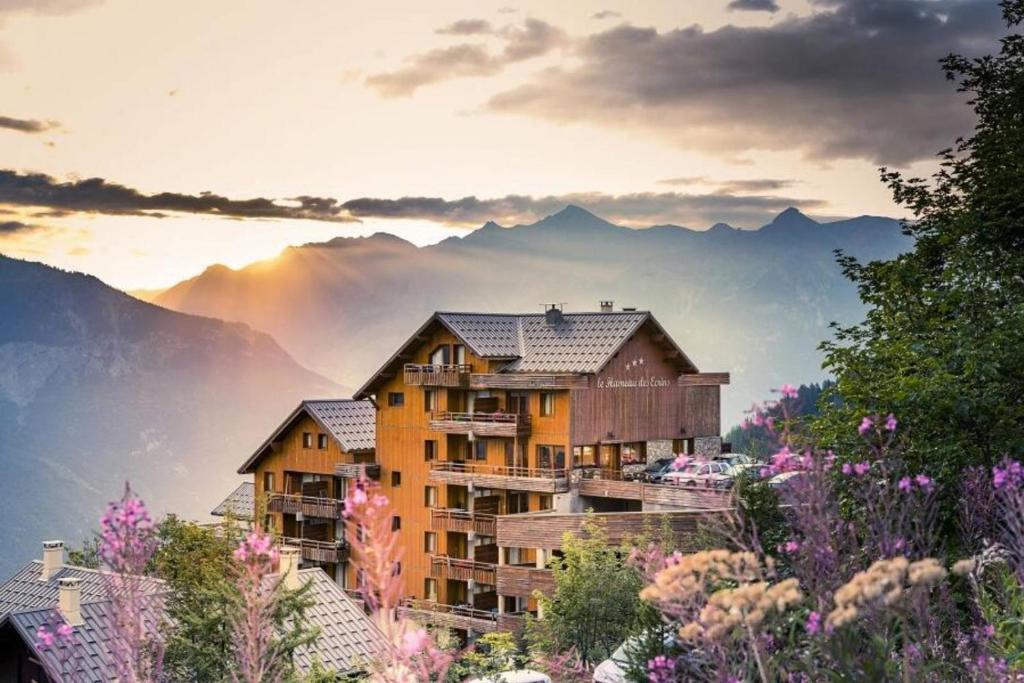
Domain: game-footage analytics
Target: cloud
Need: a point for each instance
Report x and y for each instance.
(27, 125)
(637, 209)
(733, 186)
(605, 14)
(754, 5)
(49, 7)
(532, 38)
(466, 27)
(854, 79)
(10, 228)
(96, 195)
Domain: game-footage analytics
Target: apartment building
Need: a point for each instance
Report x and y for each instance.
(495, 432)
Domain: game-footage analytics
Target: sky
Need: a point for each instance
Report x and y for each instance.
(144, 141)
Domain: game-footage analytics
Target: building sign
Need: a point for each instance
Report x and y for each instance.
(634, 383)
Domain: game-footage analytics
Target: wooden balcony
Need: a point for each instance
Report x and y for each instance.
(444, 567)
(525, 381)
(436, 375)
(522, 581)
(308, 506)
(609, 484)
(326, 552)
(512, 622)
(463, 521)
(352, 470)
(480, 424)
(547, 529)
(542, 480)
(449, 616)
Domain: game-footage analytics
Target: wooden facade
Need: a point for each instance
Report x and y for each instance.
(547, 529)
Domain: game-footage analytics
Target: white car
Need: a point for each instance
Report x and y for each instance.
(520, 676)
(699, 474)
(613, 669)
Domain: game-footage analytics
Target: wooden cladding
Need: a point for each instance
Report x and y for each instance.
(689, 497)
(541, 480)
(703, 379)
(449, 616)
(523, 381)
(444, 567)
(418, 375)
(480, 423)
(352, 470)
(521, 582)
(463, 521)
(546, 529)
(324, 552)
(309, 506)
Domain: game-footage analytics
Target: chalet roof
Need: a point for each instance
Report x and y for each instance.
(92, 658)
(580, 343)
(348, 638)
(240, 503)
(352, 423)
(24, 590)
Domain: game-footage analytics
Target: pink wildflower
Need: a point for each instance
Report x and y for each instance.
(905, 484)
(890, 423)
(865, 426)
(791, 546)
(788, 391)
(862, 468)
(813, 624)
(414, 642)
(681, 461)
(44, 638)
(847, 468)
(924, 481)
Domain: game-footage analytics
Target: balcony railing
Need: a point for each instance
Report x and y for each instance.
(540, 479)
(522, 581)
(437, 375)
(309, 506)
(330, 552)
(463, 521)
(480, 424)
(352, 470)
(449, 616)
(444, 567)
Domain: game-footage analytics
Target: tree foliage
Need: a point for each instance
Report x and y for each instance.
(942, 345)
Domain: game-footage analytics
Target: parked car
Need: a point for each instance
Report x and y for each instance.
(784, 479)
(520, 676)
(708, 473)
(735, 458)
(613, 669)
(653, 472)
(735, 472)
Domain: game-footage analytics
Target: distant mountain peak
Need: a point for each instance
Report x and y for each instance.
(573, 216)
(793, 217)
(722, 228)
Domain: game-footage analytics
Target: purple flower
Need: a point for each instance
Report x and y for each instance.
(890, 423)
(788, 391)
(791, 546)
(1010, 475)
(905, 484)
(847, 468)
(865, 426)
(661, 669)
(924, 481)
(813, 624)
(44, 638)
(862, 468)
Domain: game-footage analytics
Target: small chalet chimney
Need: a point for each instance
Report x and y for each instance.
(53, 559)
(289, 567)
(69, 600)
(607, 306)
(553, 313)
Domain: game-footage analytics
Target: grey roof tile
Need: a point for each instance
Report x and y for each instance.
(353, 423)
(24, 590)
(240, 503)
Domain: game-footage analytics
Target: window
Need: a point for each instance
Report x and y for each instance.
(396, 479)
(545, 502)
(460, 354)
(429, 400)
(480, 449)
(396, 399)
(551, 457)
(547, 404)
(397, 571)
(429, 450)
(396, 523)
(429, 542)
(307, 439)
(321, 441)
(441, 355)
(430, 496)
(430, 589)
(268, 482)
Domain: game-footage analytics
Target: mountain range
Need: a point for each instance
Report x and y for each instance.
(98, 388)
(755, 303)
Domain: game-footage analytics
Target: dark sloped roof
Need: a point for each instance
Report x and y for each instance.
(352, 423)
(240, 503)
(348, 637)
(24, 590)
(580, 343)
(92, 661)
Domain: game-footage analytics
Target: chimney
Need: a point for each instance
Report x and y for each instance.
(53, 559)
(553, 313)
(69, 600)
(289, 567)
(607, 306)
